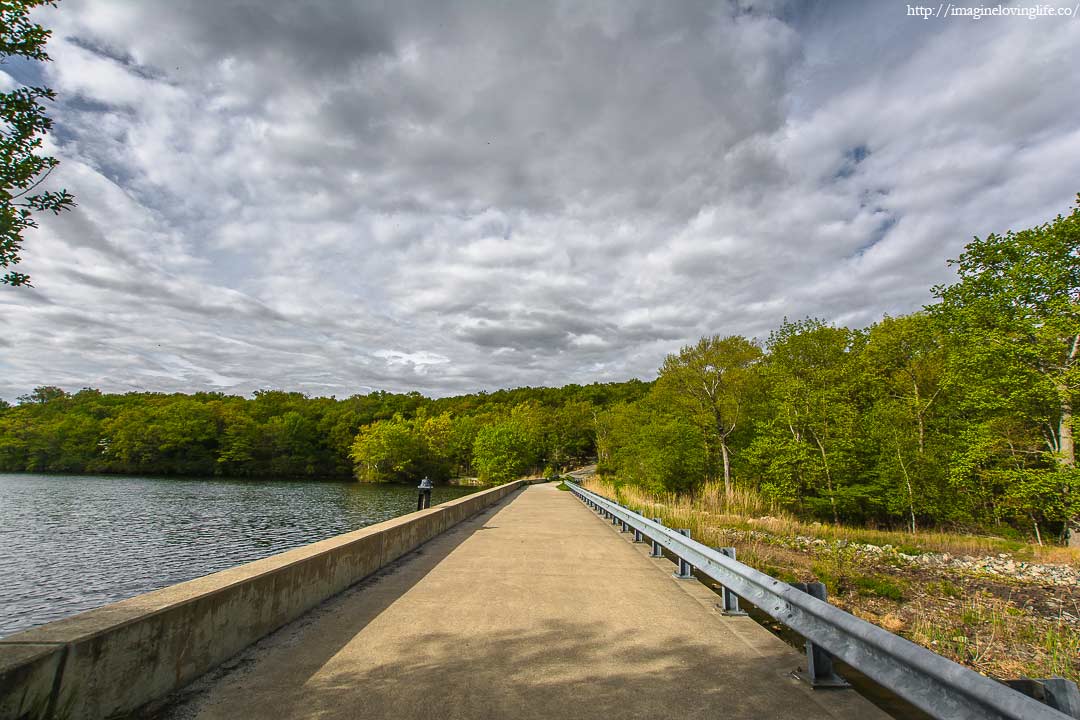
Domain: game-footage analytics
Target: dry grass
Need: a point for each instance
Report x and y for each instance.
(999, 628)
(996, 637)
(747, 510)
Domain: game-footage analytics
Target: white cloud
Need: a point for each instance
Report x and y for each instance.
(531, 193)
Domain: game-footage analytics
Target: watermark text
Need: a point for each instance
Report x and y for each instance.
(978, 12)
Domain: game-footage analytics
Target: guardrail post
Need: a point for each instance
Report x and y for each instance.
(637, 536)
(731, 600)
(657, 549)
(625, 526)
(686, 571)
(614, 520)
(819, 668)
(1057, 692)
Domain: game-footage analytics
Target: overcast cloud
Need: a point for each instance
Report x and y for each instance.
(336, 197)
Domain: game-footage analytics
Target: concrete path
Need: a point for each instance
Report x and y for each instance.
(536, 608)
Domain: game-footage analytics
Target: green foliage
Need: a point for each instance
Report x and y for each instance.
(1014, 322)
(23, 123)
(945, 588)
(648, 447)
(379, 437)
(958, 416)
(504, 450)
(388, 450)
(880, 586)
(710, 383)
(807, 421)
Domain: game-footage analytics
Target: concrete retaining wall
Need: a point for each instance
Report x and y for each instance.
(117, 658)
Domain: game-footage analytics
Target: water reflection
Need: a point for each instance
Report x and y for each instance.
(71, 543)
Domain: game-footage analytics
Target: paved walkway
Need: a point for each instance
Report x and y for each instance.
(534, 609)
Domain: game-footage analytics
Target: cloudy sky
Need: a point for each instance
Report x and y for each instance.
(334, 197)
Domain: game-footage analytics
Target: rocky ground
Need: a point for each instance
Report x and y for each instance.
(1003, 617)
(1003, 565)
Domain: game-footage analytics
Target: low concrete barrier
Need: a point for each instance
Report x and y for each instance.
(115, 659)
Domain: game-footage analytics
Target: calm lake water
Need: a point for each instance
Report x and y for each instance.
(72, 543)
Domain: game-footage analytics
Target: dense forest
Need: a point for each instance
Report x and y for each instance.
(380, 436)
(958, 415)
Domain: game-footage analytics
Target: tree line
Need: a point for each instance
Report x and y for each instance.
(380, 436)
(957, 415)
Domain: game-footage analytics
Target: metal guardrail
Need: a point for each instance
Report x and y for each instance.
(932, 683)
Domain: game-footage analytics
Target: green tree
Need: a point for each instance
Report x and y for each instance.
(504, 450)
(43, 394)
(23, 123)
(711, 380)
(904, 365)
(171, 435)
(811, 374)
(387, 450)
(463, 430)
(240, 441)
(1036, 496)
(1017, 306)
(571, 435)
(648, 446)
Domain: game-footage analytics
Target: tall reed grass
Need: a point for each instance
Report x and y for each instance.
(745, 509)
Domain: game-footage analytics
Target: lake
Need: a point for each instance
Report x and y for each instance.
(72, 543)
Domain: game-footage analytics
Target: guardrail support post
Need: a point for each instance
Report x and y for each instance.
(637, 536)
(1063, 695)
(731, 600)
(657, 550)
(686, 571)
(1057, 692)
(625, 526)
(614, 520)
(819, 668)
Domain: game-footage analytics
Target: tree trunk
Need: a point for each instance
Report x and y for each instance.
(1067, 460)
(1066, 445)
(1065, 429)
(828, 481)
(907, 481)
(728, 490)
